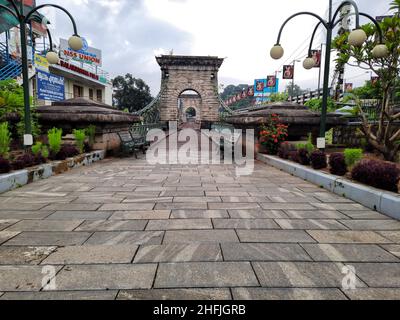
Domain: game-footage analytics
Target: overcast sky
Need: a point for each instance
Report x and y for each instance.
(131, 32)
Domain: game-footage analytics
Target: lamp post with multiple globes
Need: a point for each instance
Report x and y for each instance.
(356, 38)
(75, 42)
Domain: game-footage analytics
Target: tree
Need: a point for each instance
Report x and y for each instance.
(130, 93)
(279, 97)
(232, 90)
(369, 91)
(294, 91)
(384, 136)
(12, 108)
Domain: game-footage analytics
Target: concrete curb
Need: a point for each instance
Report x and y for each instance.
(20, 178)
(384, 202)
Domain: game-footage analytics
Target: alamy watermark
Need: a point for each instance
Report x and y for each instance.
(211, 147)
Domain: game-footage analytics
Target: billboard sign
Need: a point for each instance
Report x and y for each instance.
(50, 87)
(262, 89)
(41, 62)
(86, 55)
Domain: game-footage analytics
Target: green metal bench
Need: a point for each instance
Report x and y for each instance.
(131, 142)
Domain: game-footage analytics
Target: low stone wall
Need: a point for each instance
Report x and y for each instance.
(20, 178)
(347, 135)
(384, 202)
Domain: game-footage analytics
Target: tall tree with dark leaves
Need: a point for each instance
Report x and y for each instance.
(132, 94)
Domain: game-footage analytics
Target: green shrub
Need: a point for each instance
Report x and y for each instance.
(37, 148)
(91, 133)
(80, 136)
(55, 138)
(300, 146)
(352, 156)
(5, 140)
(45, 152)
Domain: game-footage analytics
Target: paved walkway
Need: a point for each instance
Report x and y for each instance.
(127, 230)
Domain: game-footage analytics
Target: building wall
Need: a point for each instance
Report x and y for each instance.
(69, 91)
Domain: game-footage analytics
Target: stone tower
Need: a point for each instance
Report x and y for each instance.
(193, 73)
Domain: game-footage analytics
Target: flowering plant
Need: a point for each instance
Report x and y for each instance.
(273, 134)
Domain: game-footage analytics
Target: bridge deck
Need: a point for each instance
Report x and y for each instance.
(129, 230)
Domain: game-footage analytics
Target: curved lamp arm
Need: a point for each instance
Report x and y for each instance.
(322, 21)
(32, 17)
(16, 15)
(312, 39)
(378, 27)
(57, 7)
(346, 3)
(15, 7)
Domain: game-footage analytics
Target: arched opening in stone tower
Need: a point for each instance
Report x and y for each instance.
(189, 106)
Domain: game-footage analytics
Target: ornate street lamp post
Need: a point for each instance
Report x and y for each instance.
(75, 42)
(356, 38)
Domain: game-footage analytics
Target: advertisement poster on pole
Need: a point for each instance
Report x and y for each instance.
(316, 55)
(288, 72)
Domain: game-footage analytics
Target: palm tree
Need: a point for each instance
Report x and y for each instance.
(395, 5)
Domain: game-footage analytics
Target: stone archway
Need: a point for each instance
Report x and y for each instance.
(188, 100)
(195, 73)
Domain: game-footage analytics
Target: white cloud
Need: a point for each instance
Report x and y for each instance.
(132, 32)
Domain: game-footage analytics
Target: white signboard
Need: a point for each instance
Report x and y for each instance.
(86, 55)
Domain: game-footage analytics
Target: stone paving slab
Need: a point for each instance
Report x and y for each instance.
(175, 294)
(49, 239)
(365, 215)
(263, 252)
(348, 253)
(372, 224)
(72, 207)
(4, 224)
(7, 235)
(92, 255)
(245, 224)
(205, 275)
(21, 278)
(310, 224)
(328, 236)
(60, 296)
(24, 255)
(106, 277)
(179, 253)
(45, 225)
(300, 274)
(199, 214)
(283, 236)
(126, 238)
(287, 294)
(200, 236)
(393, 236)
(374, 294)
(141, 215)
(393, 249)
(110, 225)
(180, 224)
(127, 206)
(379, 275)
(79, 215)
(318, 214)
(21, 215)
(257, 214)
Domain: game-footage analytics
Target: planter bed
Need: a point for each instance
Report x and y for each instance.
(384, 202)
(20, 178)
